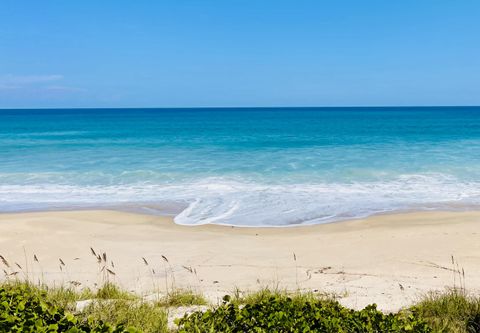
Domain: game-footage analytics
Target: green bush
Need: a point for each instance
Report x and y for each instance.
(281, 313)
(24, 309)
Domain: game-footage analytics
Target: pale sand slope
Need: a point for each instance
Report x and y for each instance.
(363, 261)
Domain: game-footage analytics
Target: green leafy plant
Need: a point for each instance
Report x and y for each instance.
(281, 313)
(24, 309)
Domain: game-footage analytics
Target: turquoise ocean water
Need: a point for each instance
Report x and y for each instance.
(248, 167)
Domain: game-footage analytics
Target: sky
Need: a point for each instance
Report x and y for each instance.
(202, 53)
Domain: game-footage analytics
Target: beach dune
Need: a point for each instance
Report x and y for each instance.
(390, 260)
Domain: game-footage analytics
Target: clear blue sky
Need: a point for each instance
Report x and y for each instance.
(93, 53)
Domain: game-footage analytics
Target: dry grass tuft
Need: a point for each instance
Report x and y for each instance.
(181, 297)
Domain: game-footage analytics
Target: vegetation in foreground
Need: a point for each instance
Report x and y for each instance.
(24, 308)
(27, 308)
(450, 311)
(283, 313)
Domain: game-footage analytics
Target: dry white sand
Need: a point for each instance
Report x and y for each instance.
(389, 259)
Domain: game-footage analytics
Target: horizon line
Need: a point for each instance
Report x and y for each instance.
(242, 107)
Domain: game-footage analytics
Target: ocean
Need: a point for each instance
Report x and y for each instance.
(242, 167)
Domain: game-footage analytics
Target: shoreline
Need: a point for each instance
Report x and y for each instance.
(388, 259)
(167, 211)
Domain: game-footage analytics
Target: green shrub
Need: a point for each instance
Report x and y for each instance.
(298, 298)
(25, 309)
(281, 313)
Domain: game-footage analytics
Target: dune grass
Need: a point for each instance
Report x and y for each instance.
(450, 311)
(63, 297)
(111, 291)
(145, 316)
(182, 297)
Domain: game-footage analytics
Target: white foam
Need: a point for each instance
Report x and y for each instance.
(242, 203)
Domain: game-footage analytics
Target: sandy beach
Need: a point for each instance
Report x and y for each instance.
(388, 259)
